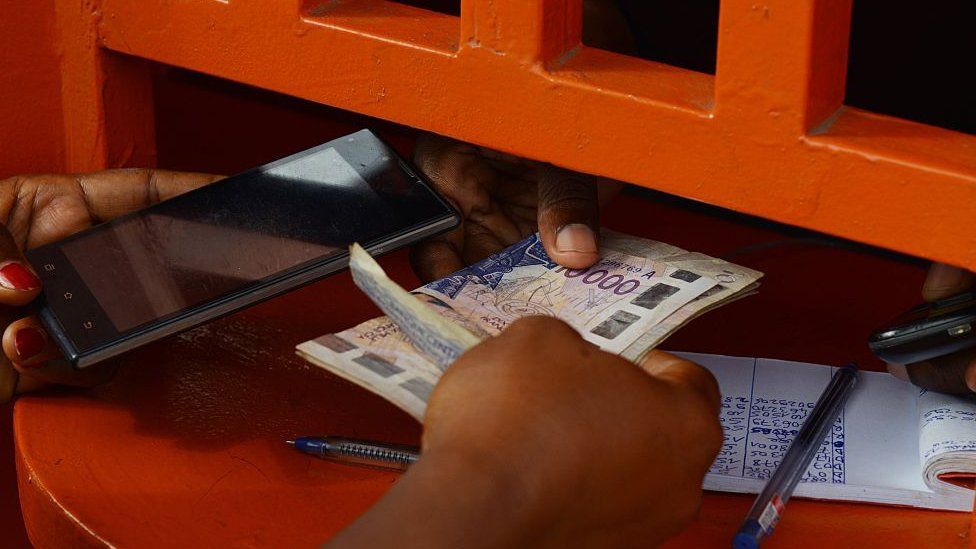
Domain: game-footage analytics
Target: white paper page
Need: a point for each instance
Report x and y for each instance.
(947, 439)
(871, 453)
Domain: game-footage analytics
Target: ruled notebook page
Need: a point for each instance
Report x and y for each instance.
(871, 453)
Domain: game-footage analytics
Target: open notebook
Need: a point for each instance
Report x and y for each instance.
(893, 444)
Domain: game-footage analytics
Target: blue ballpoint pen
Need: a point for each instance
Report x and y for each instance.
(765, 512)
(396, 457)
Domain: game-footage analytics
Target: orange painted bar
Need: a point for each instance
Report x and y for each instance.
(781, 64)
(738, 140)
(529, 32)
(430, 31)
(106, 98)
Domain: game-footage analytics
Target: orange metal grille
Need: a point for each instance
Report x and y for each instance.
(767, 135)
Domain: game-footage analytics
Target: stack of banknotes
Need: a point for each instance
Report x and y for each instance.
(637, 294)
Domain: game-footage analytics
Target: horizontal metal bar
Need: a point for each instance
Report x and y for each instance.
(875, 179)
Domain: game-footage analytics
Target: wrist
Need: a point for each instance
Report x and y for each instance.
(451, 499)
(485, 492)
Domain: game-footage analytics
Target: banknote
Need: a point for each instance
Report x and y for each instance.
(377, 356)
(610, 304)
(636, 294)
(732, 282)
(433, 335)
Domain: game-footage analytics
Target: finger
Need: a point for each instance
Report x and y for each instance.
(112, 193)
(538, 326)
(953, 374)
(27, 344)
(19, 283)
(456, 171)
(28, 384)
(437, 257)
(46, 208)
(569, 217)
(683, 374)
(37, 358)
(469, 181)
(945, 280)
(481, 242)
(12, 383)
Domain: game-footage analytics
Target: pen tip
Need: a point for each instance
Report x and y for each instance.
(290, 442)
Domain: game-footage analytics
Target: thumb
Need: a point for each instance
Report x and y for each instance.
(684, 375)
(953, 374)
(569, 217)
(35, 355)
(945, 280)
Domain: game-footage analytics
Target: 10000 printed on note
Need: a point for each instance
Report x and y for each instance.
(637, 293)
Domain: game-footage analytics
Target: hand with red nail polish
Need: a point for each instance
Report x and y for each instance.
(28, 343)
(503, 199)
(16, 275)
(58, 206)
(955, 373)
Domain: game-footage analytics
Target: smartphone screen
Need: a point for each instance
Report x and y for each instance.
(233, 237)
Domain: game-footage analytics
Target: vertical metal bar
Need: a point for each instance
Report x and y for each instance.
(781, 63)
(106, 97)
(526, 31)
(828, 62)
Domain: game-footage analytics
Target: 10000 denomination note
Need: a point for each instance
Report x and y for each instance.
(635, 287)
(611, 303)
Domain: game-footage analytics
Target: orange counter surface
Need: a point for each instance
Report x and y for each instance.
(185, 447)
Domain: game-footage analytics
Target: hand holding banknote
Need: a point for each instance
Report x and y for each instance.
(504, 199)
(636, 294)
(537, 438)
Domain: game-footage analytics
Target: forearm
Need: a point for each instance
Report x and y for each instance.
(447, 501)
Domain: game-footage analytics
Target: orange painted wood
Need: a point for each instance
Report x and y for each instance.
(30, 101)
(767, 135)
(184, 447)
(433, 32)
(106, 98)
(539, 31)
(31, 140)
(781, 66)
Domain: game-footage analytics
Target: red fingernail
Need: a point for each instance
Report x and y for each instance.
(16, 276)
(28, 342)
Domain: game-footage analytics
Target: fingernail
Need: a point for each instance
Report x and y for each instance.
(899, 371)
(575, 237)
(16, 276)
(943, 278)
(29, 342)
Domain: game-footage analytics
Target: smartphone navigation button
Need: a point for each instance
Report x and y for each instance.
(88, 325)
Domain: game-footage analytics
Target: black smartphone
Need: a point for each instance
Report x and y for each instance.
(223, 247)
(928, 331)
